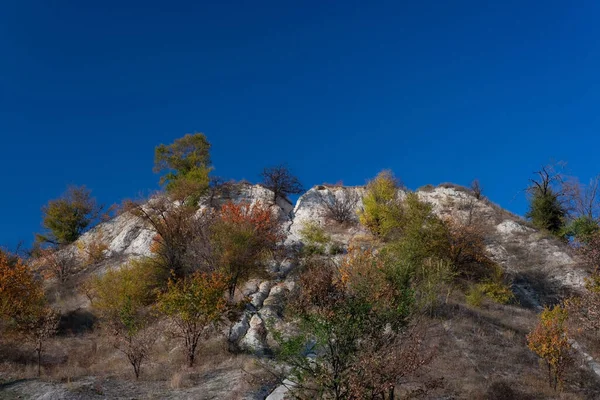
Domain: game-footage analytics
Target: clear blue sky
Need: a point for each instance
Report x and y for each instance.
(436, 91)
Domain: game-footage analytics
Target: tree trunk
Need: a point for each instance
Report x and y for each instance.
(39, 361)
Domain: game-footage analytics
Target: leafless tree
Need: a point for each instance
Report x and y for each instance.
(182, 235)
(340, 208)
(280, 180)
(477, 189)
(584, 200)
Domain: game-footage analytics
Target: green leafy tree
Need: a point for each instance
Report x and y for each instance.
(194, 305)
(66, 218)
(186, 163)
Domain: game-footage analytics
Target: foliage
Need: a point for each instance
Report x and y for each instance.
(581, 229)
(475, 296)
(121, 297)
(21, 294)
(280, 180)
(352, 339)
(314, 237)
(187, 165)
(194, 304)
(546, 212)
(549, 340)
(382, 209)
(23, 304)
(66, 218)
(241, 237)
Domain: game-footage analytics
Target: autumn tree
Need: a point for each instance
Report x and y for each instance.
(550, 341)
(242, 236)
(195, 305)
(382, 210)
(58, 264)
(186, 165)
(280, 181)
(67, 217)
(122, 298)
(23, 304)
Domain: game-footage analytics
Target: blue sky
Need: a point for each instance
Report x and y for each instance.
(436, 91)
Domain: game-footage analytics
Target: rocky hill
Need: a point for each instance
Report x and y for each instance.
(479, 351)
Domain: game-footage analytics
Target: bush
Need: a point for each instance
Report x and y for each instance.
(315, 238)
(475, 296)
(341, 205)
(497, 292)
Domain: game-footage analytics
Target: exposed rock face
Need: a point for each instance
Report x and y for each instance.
(520, 249)
(311, 206)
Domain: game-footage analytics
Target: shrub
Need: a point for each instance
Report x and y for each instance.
(497, 292)
(315, 238)
(340, 206)
(550, 341)
(475, 296)
(66, 218)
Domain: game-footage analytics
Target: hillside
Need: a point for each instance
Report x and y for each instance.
(477, 352)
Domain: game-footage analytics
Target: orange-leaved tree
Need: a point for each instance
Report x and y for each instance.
(242, 237)
(194, 304)
(549, 340)
(23, 304)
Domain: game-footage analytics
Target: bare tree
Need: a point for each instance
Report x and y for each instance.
(59, 264)
(180, 231)
(280, 180)
(477, 189)
(38, 329)
(584, 200)
(341, 208)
